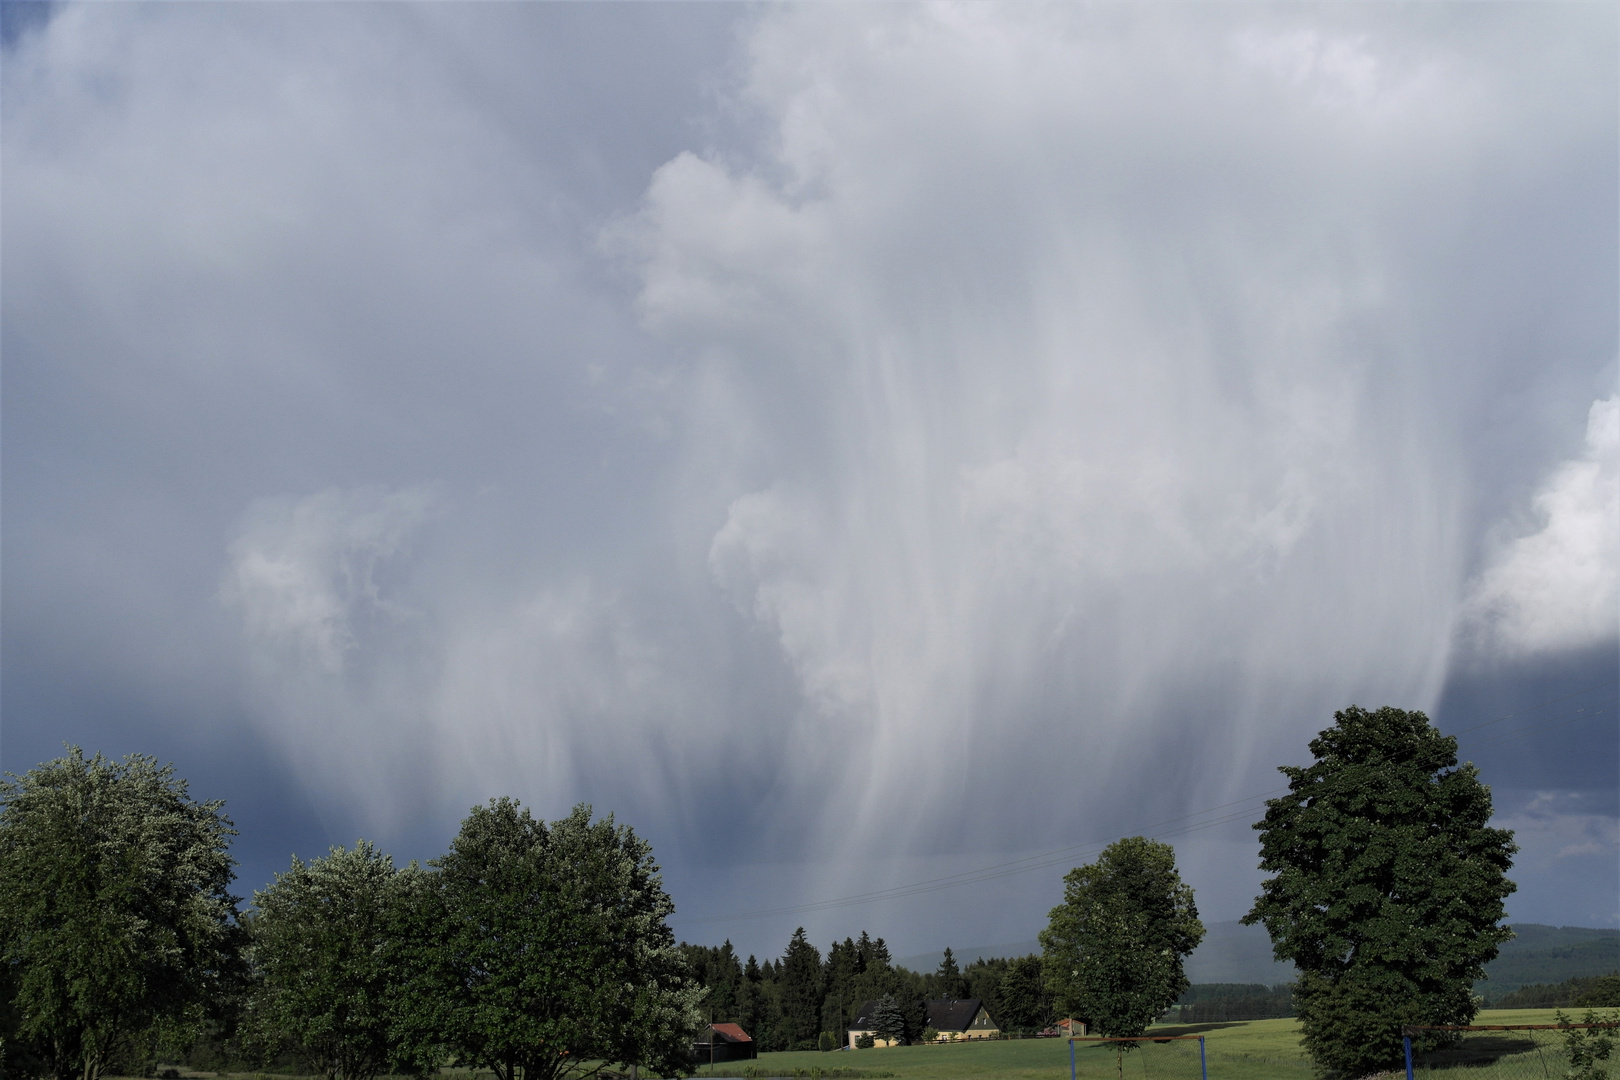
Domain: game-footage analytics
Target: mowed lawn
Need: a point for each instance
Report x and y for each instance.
(1252, 1049)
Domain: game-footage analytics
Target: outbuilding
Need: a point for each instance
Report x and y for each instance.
(723, 1042)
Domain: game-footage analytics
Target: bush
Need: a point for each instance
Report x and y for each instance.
(864, 1041)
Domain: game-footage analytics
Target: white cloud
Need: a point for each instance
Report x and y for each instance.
(1028, 456)
(1558, 587)
(1109, 379)
(1551, 828)
(303, 572)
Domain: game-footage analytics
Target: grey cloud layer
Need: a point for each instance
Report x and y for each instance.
(954, 413)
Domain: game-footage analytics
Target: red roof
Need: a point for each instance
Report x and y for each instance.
(732, 1032)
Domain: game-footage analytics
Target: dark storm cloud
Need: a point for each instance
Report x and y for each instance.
(895, 436)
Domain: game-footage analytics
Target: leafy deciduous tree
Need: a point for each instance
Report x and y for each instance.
(555, 958)
(324, 945)
(115, 914)
(1387, 889)
(1113, 950)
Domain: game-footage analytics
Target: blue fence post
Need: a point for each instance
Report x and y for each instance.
(1203, 1065)
(1407, 1040)
(1071, 1059)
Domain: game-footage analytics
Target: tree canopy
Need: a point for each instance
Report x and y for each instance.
(1113, 950)
(115, 911)
(324, 945)
(1387, 889)
(553, 954)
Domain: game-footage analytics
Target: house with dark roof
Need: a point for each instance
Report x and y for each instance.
(953, 1018)
(961, 1018)
(723, 1042)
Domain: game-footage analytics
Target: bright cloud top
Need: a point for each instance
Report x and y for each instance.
(1559, 586)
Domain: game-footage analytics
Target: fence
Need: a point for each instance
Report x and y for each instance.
(1168, 1057)
(1511, 1051)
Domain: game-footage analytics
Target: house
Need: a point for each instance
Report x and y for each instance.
(954, 1018)
(863, 1024)
(1069, 1028)
(961, 1018)
(723, 1042)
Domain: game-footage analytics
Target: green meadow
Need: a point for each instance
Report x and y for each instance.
(1253, 1049)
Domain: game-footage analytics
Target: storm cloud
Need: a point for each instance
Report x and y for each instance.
(890, 437)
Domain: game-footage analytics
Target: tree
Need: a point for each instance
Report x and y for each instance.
(1387, 889)
(888, 1019)
(1025, 1003)
(115, 914)
(801, 991)
(1113, 950)
(948, 981)
(555, 957)
(331, 979)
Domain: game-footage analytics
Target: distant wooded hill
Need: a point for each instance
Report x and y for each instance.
(1234, 953)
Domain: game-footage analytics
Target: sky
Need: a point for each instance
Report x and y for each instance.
(856, 445)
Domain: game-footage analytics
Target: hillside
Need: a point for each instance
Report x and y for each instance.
(1551, 954)
(1234, 953)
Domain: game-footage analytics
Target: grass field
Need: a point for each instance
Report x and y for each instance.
(1252, 1049)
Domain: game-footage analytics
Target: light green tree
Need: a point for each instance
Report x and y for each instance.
(549, 953)
(115, 912)
(325, 939)
(1113, 950)
(1588, 1047)
(1386, 889)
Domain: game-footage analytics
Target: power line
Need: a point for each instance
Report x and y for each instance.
(1058, 856)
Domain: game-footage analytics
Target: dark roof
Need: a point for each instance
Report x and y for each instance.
(953, 1014)
(730, 1033)
(945, 1014)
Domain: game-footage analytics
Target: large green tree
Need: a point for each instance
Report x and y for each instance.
(1387, 886)
(325, 945)
(116, 918)
(554, 955)
(1113, 950)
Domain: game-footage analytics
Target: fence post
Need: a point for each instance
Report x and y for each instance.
(1203, 1065)
(1071, 1059)
(1407, 1040)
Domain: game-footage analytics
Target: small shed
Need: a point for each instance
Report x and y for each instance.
(723, 1042)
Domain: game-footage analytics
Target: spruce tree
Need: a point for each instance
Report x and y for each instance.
(801, 991)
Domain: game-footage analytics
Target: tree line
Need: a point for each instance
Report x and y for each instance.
(533, 950)
(803, 1000)
(1591, 991)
